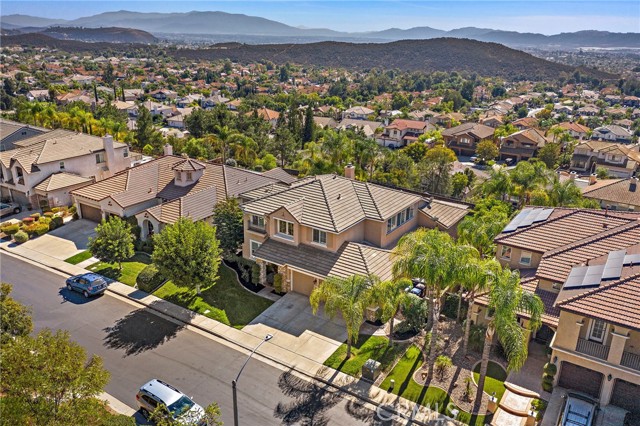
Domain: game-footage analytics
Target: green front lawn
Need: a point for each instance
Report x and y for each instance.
(78, 258)
(494, 382)
(433, 397)
(367, 347)
(226, 301)
(130, 269)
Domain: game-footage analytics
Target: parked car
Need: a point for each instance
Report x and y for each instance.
(578, 410)
(176, 404)
(9, 208)
(88, 284)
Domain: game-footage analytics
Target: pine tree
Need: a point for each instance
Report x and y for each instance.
(308, 133)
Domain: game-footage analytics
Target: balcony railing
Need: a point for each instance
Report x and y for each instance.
(630, 360)
(594, 349)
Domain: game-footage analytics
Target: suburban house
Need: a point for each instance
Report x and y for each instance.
(164, 95)
(357, 113)
(463, 139)
(75, 155)
(618, 159)
(615, 194)
(12, 131)
(526, 123)
(522, 145)
(576, 130)
(585, 266)
(369, 128)
(161, 191)
(612, 133)
(268, 115)
(330, 225)
(402, 132)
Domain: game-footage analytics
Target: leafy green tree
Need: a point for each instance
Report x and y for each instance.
(459, 182)
(507, 299)
(227, 217)
(107, 75)
(268, 162)
(498, 185)
(416, 151)
(435, 170)
(212, 414)
(145, 133)
(309, 126)
(16, 318)
(188, 253)
(528, 176)
(487, 150)
(49, 380)
(113, 241)
(350, 296)
(480, 229)
(283, 146)
(389, 295)
(565, 194)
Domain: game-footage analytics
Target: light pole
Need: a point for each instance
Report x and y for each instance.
(234, 382)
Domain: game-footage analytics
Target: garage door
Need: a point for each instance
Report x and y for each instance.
(580, 379)
(302, 283)
(626, 395)
(91, 213)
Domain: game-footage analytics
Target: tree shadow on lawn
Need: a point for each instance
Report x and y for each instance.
(111, 272)
(140, 331)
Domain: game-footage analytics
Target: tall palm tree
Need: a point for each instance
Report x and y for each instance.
(565, 193)
(350, 296)
(224, 137)
(389, 295)
(507, 299)
(499, 184)
(245, 150)
(480, 230)
(527, 177)
(434, 257)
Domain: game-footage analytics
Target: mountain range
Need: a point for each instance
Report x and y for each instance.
(238, 27)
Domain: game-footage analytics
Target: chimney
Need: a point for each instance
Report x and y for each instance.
(573, 175)
(110, 155)
(633, 184)
(593, 178)
(350, 171)
(168, 149)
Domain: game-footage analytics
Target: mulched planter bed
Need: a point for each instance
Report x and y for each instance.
(246, 284)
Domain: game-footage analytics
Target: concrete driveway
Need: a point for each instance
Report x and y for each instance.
(292, 323)
(65, 241)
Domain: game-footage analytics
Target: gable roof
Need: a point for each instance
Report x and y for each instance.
(445, 213)
(61, 180)
(480, 131)
(402, 124)
(621, 191)
(335, 203)
(280, 174)
(8, 127)
(195, 205)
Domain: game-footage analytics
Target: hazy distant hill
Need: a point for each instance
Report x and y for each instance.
(243, 26)
(442, 54)
(109, 35)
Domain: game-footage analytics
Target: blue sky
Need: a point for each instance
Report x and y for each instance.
(547, 17)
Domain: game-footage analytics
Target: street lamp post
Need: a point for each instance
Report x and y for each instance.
(234, 382)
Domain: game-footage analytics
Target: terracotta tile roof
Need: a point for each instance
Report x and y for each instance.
(335, 203)
(61, 180)
(188, 165)
(195, 205)
(621, 191)
(351, 258)
(564, 226)
(574, 127)
(402, 124)
(617, 303)
(268, 114)
(480, 131)
(446, 213)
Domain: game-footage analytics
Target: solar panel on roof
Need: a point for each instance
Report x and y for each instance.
(576, 276)
(584, 277)
(543, 214)
(631, 260)
(613, 266)
(593, 277)
(515, 222)
(528, 219)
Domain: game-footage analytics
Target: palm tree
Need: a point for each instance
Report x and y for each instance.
(507, 299)
(225, 137)
(244, 149)
(527, 177)
(475, 277)
(434, 257)
(388, 295)
(565, 193)
(351, 296)
(499, 184)
(480, 230)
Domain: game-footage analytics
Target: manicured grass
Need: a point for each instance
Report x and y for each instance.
(226, 301)
(367, 347)
(130, 269)
(433, 397)
(80, 257)
(494, 382)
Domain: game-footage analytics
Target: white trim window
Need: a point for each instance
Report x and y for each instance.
(256, 221)
(525, 258)
(505, 253)
(253, 246)
(284, 229)
(598, 330)
(399, 219)
(319, 237)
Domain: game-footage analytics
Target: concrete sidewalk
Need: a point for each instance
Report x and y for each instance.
(278, 353)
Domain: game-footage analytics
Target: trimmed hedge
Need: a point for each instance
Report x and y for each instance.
(10, 229)
(277, 283)
(21, 237)
(56, 222)
(149, 279)
(550, 369)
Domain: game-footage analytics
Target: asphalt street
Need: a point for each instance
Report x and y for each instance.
(138, 345)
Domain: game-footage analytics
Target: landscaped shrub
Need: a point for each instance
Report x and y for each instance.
(414, 310)
(277, 283)
(551, 369)
(46, 220)
(35, 216)
(450, 307)
(255, 273)
(149, 279)
(468, 389)
(21, 237)
(11, 228)
(48, 214)
(442, 364)
(28, 221)
(72, 210)
(547, 382)
(56, 222)
(40, 228)
(55, 209)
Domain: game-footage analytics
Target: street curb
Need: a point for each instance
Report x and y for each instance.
(247, 348)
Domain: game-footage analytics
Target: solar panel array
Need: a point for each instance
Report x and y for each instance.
(631, 260)
(528, 217)
(613, 267)
(592, 276)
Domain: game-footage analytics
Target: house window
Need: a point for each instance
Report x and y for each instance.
(505, 253)
(525, 258)
(598, 329)
(319, 237)
(100, 158)
(257, 221)
(391, 224)
(399, 219)
(489, 313)
(284, 229)
(125, 153)
(189, 176)
(62, 165)
(253, 246)
(409, 213)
